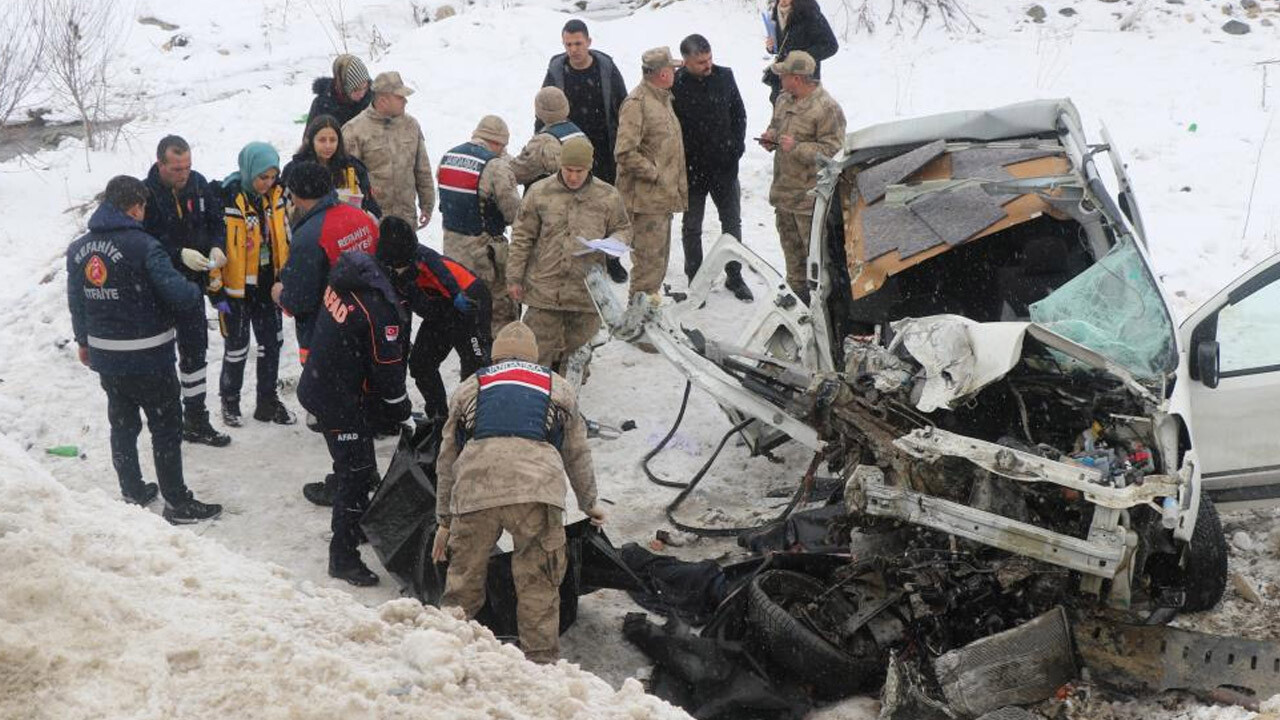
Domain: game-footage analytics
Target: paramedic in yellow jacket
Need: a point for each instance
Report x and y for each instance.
(257, 248)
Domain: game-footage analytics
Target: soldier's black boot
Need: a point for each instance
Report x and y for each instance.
(734, 283)
(196, 429)
(321, 493)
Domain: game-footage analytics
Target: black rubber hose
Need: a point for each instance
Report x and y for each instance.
(644, 463)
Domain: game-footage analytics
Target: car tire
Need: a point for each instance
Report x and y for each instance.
(792, 649)
(1205, 560)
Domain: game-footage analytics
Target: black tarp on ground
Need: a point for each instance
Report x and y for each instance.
(401, 524)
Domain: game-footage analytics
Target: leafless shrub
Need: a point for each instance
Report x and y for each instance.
(78, 38)
(332, 15)
(21, 50)
(863, 15)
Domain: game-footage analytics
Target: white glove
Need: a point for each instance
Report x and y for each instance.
(408, 427)
(218, 258)
(194, 260)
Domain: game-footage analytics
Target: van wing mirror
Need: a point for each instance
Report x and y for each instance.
(1207, 362)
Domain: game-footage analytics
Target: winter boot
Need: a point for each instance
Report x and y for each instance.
(196, 429)
(353, 571)
(734, 283)
(231, 416)
(189, 511)
(617, 273)
(270, 409)
(144, 496)
(321, 493)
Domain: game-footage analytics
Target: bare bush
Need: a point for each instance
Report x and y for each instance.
(332, 15)
(78, 38)
(21, 50)
(863, 15)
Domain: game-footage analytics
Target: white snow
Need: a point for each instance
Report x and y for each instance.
(110, 613)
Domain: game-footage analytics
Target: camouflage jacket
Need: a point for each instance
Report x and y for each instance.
(650, 153)
(395, 154)
(544, 241)
(497, 471)
(817, 124)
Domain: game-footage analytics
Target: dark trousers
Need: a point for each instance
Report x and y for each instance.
(193, 344)
(256, 313)
(444, 329)
(355, 469)
(722, 186)
(155, 394)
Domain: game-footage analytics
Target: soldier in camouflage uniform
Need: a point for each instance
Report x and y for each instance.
(479, 198)
(514, 433)
(651, 171)
(545, 269)
(806, 122)
(540, 157)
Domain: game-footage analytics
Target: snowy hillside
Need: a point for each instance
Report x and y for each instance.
(101, 604)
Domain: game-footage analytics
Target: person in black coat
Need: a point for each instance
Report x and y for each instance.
(354, 380)
(713, 121)
(184, 212)
(345, 94)
(595, 89)
(322, 144)
(127, 304)
(799, 25)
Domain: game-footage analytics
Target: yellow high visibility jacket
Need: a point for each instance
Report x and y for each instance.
(249, 225)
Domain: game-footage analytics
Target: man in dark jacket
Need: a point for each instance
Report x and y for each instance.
(356, 369)
(185, 214)
(345, 94)
(456, 309)
(595, 90)
(325, 229)
(713, 122)
(124, 296)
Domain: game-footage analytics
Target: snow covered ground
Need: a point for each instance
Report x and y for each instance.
(107, 612)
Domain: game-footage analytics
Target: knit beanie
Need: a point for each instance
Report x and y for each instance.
(310, 181)
(397, 242)
(550, 105)
(577, 152)
(515, 341)
(350, 71)
(254, 159)
(493, 129)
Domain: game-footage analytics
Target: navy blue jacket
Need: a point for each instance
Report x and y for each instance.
(356, 365)
(328, 103)
(125, 296)
(330, 229)
(188, 218)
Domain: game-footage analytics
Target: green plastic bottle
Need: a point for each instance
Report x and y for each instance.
(64, 451)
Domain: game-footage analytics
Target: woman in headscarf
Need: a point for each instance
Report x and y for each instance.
(322, 144)
(799, 25)
(257, 248)
(345, 94)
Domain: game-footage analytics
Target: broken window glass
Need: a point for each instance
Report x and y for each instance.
(1114, 309)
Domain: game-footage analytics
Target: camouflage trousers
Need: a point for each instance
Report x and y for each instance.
(560, 333)
(537, 566)
(793, 233)
(486, 256)
(650, 250)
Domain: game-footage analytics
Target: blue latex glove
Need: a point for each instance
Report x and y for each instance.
(464, 304)
(223, 307)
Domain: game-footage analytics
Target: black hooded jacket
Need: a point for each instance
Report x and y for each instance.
(356, 366)
(329, 102)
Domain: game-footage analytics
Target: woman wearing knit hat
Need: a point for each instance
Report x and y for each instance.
(322, 144)
(257, 248)
(541, 155)
(345, 94)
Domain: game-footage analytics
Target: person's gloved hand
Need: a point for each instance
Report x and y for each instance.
(597, 515)
(440, 544)
(464, 304)
(194, 260)
(408, 427)
(223, 306)
(218, 258)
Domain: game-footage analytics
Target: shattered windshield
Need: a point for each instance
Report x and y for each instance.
(1115, 309)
